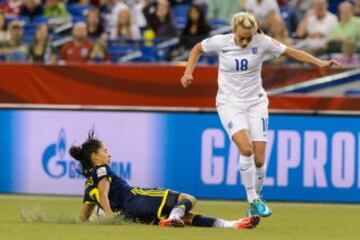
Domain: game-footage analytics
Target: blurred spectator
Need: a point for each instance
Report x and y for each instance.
(263, 11)
(4, 36)
(40, 50)
(316, 26)
(94, 23)
(137, 12)
(125, 28)
(301, 6)
(99, 53)
(55, 9)
(290, 15)
(31, 9)
(347, 58)
(279, 32)
(196, 29)
(357, 8)
(15, 49)
(347, 31)
(79, 49)
(11, 8)
(223, 10)
(109, 11)
(161, 20)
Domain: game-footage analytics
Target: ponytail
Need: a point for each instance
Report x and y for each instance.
(76, 152)
(246, 20)
(83, 153)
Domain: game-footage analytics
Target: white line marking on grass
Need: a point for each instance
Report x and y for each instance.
(282, 204)
(203, 202)
(40, 198)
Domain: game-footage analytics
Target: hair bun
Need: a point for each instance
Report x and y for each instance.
(76, 152)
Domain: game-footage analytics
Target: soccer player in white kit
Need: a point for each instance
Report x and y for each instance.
(241, 101)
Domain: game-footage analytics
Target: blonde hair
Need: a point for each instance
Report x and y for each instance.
(245, 20)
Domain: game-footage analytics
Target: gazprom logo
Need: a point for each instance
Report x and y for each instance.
(56, 166)
(53, 159)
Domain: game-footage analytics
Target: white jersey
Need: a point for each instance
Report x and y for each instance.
(239, 71)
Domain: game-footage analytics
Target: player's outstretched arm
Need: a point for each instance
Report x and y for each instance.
(195, 53)
(104, 186)
(85, 211)
(308, 58)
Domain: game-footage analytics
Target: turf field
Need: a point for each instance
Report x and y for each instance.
(290, 221)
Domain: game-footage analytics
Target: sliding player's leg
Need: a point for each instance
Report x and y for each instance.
(183, 206)
(198, 220)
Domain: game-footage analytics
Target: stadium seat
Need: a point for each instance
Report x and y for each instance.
(353, 93)
(149, 54)
(76, 19)
(39, 20)
(117, 51)
(23, 20)
(180, 14)
(218, 23)
(77, 9)
(208, 59)
(29, 33)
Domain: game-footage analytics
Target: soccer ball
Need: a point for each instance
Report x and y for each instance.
(97, 214)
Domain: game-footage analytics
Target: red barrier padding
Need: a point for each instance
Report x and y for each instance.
(315, 103)
(144, 85)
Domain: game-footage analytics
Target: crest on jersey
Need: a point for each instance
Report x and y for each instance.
(254, 50)
(230, 125)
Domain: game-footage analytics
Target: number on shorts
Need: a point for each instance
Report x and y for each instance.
(265, 123)
(241, 64)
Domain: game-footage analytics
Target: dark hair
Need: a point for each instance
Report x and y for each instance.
(2, 14)
(203, 26)
(83, 153)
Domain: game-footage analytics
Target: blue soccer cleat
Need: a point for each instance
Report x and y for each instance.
(251, 211)
(260, 208)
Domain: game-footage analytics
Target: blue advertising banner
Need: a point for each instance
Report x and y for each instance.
(309, 158)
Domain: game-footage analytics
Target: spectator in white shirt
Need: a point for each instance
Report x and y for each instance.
(109, 11)
(263, 11)
(125, 28)
(138, 14)
(316, 26)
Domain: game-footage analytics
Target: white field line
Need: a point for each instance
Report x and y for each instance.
(203, 202)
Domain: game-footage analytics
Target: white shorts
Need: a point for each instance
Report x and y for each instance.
(252, 116)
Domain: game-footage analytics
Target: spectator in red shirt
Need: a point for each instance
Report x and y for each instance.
(11, 8)
(79, 49)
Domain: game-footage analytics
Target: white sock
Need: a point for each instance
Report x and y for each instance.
(221, 223)
(247, 171)
(177, 212)
(259, 179)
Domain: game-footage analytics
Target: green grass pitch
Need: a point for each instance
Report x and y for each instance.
(290, 221)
